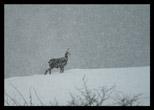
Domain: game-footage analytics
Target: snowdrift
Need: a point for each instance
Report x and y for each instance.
(58, 86)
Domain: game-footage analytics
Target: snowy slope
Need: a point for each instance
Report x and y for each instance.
(131, 80)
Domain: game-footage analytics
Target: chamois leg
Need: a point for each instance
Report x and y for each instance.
(62, 70)
(48, 70)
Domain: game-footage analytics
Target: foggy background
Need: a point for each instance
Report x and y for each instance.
(98, 36)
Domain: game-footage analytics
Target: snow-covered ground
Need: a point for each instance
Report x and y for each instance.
(132, 80)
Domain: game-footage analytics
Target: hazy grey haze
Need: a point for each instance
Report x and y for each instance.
(98, 36)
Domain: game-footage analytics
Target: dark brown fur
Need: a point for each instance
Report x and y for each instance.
(58, 63)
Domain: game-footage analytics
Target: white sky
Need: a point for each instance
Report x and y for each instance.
(98, 36)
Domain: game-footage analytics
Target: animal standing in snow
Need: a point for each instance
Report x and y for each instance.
(58, 63)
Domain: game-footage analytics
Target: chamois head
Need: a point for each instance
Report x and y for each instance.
(67, 53)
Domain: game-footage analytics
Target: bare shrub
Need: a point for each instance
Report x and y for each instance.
(122, 99)
(54, 103)
(97, 97)
(10, 101)
(87, 97)
(90, 97)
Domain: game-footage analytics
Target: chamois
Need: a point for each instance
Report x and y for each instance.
(58, 63)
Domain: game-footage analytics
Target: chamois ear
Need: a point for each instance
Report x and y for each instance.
(68, 51)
